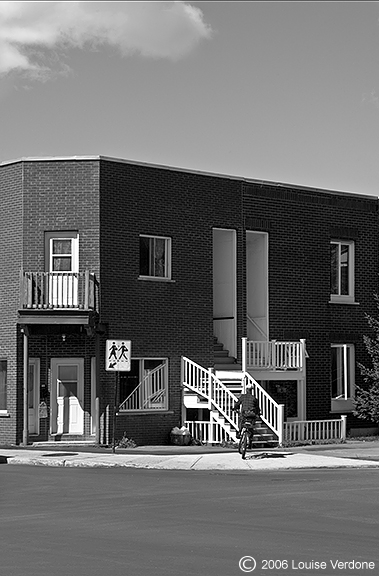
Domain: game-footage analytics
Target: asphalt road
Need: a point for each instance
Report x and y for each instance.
(113, 522)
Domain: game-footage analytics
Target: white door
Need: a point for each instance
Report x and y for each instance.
(62, 258)
(33, 395)
(67, 390)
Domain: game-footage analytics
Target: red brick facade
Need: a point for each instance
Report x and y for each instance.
(110, 203)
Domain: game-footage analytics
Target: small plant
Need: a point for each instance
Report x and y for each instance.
(126, 442)
(229, 444)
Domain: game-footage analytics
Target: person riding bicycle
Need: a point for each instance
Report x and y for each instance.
(248, 407)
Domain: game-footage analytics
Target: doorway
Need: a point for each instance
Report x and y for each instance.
(62, 264)
(67, 388)
(225, 288)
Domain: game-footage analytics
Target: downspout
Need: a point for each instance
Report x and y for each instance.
(25, 431)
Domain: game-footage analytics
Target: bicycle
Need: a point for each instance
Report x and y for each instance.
(246, 439)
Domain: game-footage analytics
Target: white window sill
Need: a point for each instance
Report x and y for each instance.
(341, 300)
(155, 279)
(4, 414)
(342, 405)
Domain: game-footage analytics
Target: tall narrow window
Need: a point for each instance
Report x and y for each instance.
(3, 385)
(342, 373)
(155, 257)
(342, 271)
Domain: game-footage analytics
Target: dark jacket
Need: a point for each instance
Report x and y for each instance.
(247, 403)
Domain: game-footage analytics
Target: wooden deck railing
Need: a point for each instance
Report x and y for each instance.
(274, 355)
(58, 290)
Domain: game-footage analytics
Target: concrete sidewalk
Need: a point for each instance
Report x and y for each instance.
(197, 457)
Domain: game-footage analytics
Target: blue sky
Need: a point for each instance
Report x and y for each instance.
(282, 91)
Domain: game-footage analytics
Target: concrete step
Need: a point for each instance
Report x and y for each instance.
(225, 360)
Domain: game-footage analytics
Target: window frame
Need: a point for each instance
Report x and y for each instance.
(165, 405)
(4, 410)
(338, 297)
(73, 237)
(344, 401)
(167, 252)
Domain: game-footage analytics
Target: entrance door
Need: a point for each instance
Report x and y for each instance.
(62, 263)
(33, 395)
(67, 395)
(225, 288)
(257, 285)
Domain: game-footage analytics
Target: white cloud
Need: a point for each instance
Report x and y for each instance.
(29, 31)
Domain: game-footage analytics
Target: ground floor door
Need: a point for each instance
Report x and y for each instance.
(67, 395)
(33, 395)
(291, 393)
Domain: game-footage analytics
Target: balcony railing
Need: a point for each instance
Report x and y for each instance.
(274, 355)
(59, 290)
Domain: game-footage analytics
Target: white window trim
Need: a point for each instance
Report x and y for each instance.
(167, 276)
(5, 411)
(63, 235)
(350, 297)
(343, 402)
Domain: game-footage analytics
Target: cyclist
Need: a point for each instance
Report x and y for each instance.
(248, 407)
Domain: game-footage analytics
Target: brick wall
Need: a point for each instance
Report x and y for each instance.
(300, 226)
(10, 265)
(162, 319)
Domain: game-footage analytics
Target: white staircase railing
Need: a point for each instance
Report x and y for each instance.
(221, 399)
(204, 382)
(150, 394)
(272, 413)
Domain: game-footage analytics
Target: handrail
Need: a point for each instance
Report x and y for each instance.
(272, 413)
(205, 383)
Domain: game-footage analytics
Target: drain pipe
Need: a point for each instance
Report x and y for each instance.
(25, 430)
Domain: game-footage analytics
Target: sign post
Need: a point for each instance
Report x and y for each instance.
(117, 359)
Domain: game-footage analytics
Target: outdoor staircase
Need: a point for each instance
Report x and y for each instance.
(263, 436)
(202, 388)
(222, 358)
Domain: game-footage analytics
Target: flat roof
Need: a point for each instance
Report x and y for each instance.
(188, 170)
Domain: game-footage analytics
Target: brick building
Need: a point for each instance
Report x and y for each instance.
(236, 275)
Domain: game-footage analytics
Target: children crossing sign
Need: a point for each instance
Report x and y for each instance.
(117, 355)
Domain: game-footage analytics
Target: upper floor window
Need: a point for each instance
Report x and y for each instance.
(342, 271)
(343, 376)
(155, 257)
(3, 385)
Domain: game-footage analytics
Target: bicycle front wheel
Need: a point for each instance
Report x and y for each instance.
(243, 444)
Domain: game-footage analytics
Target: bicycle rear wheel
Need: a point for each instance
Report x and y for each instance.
(243, 444)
